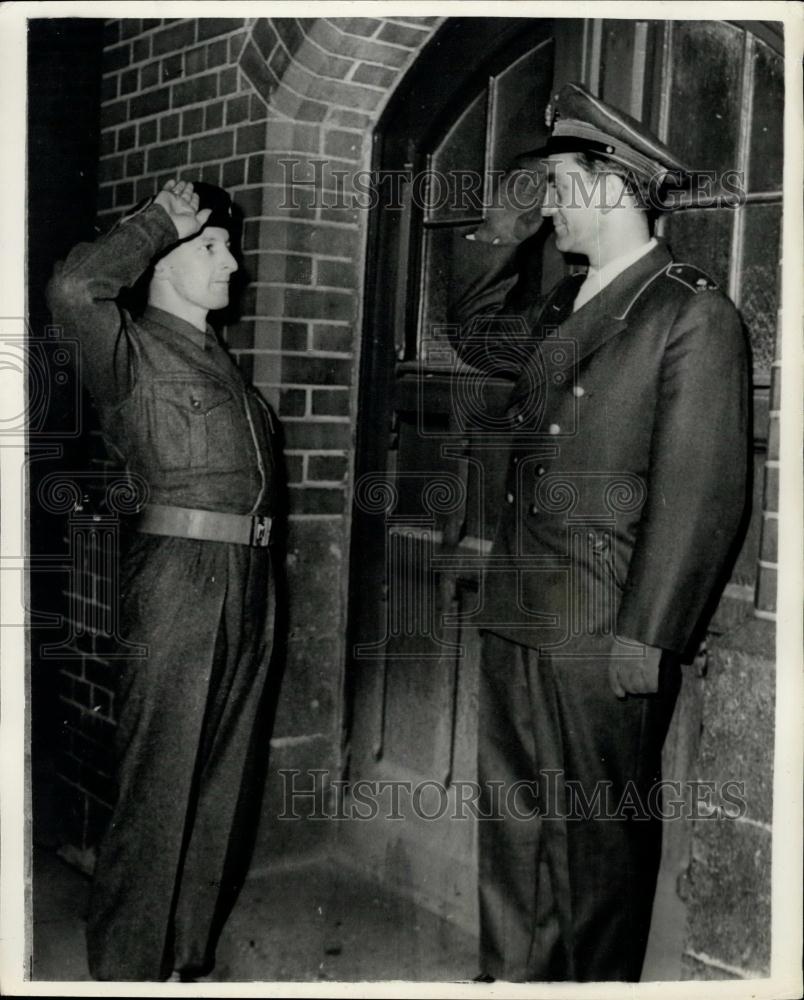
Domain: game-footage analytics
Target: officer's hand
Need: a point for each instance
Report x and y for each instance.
(636, 674)
(181, 204)
(516, 203)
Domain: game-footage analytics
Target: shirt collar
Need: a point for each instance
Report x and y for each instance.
(598, 278)
(203, 339)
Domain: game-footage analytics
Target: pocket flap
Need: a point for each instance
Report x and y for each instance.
(194, 395)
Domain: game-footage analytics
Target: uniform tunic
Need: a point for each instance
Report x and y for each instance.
(175, 411)
(626, 488)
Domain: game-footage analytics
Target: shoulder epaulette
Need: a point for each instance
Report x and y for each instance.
(693, 277)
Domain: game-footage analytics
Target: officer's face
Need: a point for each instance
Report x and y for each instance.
(199, 270)
(573, 201)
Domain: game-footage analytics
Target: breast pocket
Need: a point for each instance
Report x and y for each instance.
(193, 425)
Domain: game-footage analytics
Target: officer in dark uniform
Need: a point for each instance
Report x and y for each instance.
(196, 584)
(625, 491)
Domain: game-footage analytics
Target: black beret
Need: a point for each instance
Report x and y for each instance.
(213, 197)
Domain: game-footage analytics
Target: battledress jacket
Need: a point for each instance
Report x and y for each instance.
(627, 477)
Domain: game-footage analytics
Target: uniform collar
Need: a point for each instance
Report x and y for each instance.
(203, 340)
(597, 278)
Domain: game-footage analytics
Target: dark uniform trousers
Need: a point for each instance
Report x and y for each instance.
(566, 893)
(188, 751)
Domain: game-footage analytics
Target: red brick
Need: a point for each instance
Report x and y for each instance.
(280, 60)
(151, 103)
(117, 58)
(327, 337)
(329, 38)
(315, 304)
(178, 36)
(113, 114)
(331, 402)
(108, 143)
(324, 63)
(195, 61)
(135, 163)
(255, 169)
(149, 75)
(346, 145)
(327, 468)
(335, 274)
(124, 194)
(265, 38)
(212, 147)
(292, 137)
(234, 173)
(766, 589)
(199, 88)
(110, 169)
(130, 27)
(171, 68)
(250, 138)
(349, 119)
(287, 234)
(141, 49)
(400, 34)
(293, 403)
(315, 500)
(228, 81)
(167, 157)
(209, 27)
(257, 109)
(129, 81)
(192, 121)
(293, 463)
(109, 87)
(169, 127)
(218, 53)
(286, 268)
(126, 138)
(375, 76)
(310, 370)
(241, 334)
(365, 27)
(237, 109)
(317, 435)
(294, 336)
(289, 30)
(146, 133)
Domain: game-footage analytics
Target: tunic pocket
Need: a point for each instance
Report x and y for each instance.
(193, 424)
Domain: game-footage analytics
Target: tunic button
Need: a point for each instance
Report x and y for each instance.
(519, 418)
(540, 470)
(578, 390)
(591, 536)
(554, 429)
(509, 497)
(515, 460)
(196, 403)
(534, 509)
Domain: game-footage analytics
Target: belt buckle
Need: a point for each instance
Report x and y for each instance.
(260, 531)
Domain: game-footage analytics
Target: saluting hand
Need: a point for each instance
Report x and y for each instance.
(515, 212)
(635, 675)
(181, 204)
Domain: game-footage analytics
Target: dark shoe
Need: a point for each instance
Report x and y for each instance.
(484, 977)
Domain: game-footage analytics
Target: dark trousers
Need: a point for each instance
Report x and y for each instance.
(565, 892)
(188, 755)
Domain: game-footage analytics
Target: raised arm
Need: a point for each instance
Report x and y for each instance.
(83, 292)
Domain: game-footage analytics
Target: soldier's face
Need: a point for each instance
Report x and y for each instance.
(199, 270)
(573, 201)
